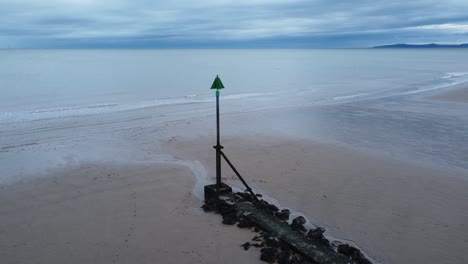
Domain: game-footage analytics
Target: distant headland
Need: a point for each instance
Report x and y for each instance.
(421, 46)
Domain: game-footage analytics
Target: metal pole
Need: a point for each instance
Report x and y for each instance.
(240, 177)
(218, 145)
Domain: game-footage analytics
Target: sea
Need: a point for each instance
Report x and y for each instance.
(373, 99)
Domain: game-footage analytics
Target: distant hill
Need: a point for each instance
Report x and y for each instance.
(422, 46)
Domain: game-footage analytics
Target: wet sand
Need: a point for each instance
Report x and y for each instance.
(458, 93)
(397, 212)
(114, 213)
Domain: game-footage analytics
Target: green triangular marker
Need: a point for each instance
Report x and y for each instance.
(217, 84)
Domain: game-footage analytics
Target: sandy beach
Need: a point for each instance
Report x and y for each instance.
(144, 203)
(457, 93)
(114, 213)
(394, 210)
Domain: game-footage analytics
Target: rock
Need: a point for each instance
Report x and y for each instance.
(298, 228)
(246, 246)
(245, 222)
(325, 241)
(268, 254)
(335, 244)
(365, 261)
(298, 259)
(361, 259)
(225, 208)
(347, 250)
(272, 249)
(316, 233)
(272, 241)
(284, 246)
(229, 219)
(273, 208)
(295, 260)
(214, 190)
(208, 208)
(298, 224)
(299, 220)
(283, 214)
(283, 257)
(352, 252)
(256, 238)
(258, 195)
(246, 196)
(270, 208)
(210, 205)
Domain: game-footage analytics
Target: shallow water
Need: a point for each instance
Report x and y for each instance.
(61, 107)
(41, 84)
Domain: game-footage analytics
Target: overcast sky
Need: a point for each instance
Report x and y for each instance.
(229, 24)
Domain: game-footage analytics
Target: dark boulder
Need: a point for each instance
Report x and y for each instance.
(229, 219)
(295, 260)
(211, 205)
(284, 246)
(298, 228)
(347, 250)
(325, 241)
(299, 220)
(257, 245)
(316, 233)
(225, 209)
(272, 241)
(283, 214)
(298, 224)
(298, 259)
(246, 246)
(245, 222)
(361, 258)
(257, 238)
(268, 254)
(273, 208)
(246, 196)
(269, 208)
(284, 257)
(208, 208)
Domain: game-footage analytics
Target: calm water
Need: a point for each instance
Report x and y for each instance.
(62, 106)
(55, 83)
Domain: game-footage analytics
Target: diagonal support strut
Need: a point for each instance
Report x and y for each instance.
(240, 177)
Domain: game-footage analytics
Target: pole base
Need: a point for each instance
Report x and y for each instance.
(213, 191)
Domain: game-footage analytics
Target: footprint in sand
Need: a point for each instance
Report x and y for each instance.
(126, 240)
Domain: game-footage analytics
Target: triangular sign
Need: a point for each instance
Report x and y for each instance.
(217, 84)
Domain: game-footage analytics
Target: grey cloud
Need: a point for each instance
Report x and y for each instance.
(349, 23)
